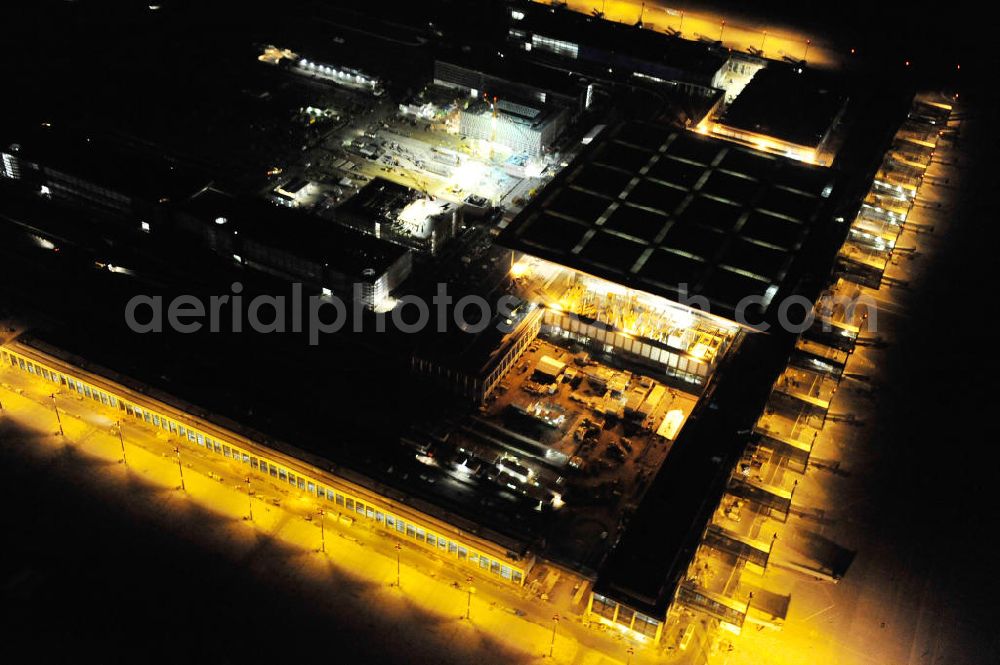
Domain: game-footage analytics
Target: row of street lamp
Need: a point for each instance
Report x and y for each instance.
(118, 429)
(470, 589)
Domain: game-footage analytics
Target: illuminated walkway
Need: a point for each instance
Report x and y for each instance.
(430, 586)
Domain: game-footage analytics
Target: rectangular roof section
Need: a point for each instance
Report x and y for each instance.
(788, 103)
(668, 211)
(350, 252)
(103, 162)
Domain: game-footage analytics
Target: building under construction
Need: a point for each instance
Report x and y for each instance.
(400, 215)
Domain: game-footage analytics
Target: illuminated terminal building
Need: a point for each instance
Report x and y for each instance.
(354, 496)
(642, 271)
(593, 429)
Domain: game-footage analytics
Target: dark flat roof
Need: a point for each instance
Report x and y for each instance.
(633, 44)
(515, 72)
(788, 103)
(379, 199)
(104, 162)
(652, 556)
(306, 236)
(652, 208)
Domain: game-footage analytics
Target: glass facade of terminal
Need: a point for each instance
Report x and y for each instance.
(612, 612)
(672, 362)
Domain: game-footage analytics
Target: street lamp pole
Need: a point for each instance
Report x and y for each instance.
(121, 440)
(249, 498)
(58, 419)
(180, 467)
(468, 604)
(722, 29)
(322, 532)
(398, 548)
(676, 12)
(552, 644)
(806, 54)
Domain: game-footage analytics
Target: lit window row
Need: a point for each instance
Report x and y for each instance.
(613, 612)
(674, 364)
